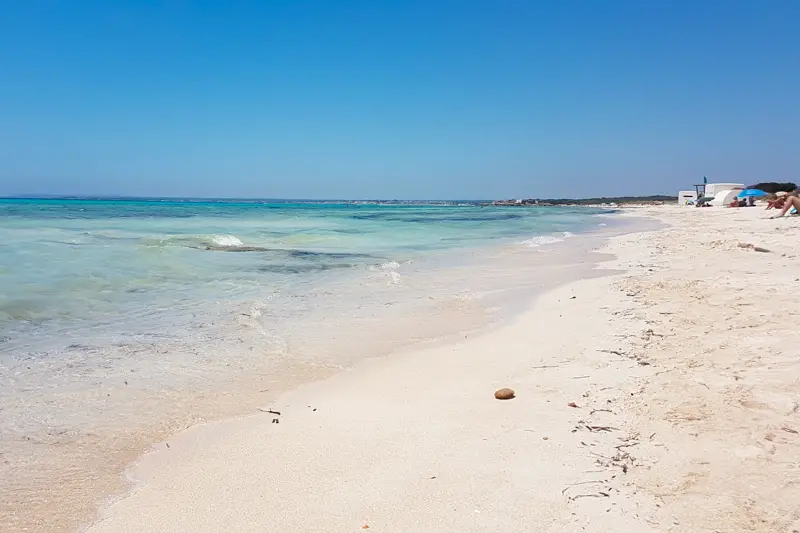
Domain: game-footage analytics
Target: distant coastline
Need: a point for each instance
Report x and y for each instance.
(617, 200)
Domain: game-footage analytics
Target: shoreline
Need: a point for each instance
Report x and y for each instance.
(175, 444)
(654, 399)
(73, 499)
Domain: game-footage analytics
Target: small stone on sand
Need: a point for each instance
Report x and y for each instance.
(504, 394)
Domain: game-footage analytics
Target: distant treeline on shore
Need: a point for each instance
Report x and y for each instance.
(773, 187)
(588, 201)
(610, 200)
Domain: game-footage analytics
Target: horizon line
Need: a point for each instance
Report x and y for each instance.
(267, 199)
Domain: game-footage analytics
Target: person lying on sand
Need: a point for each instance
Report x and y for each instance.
(739, 202)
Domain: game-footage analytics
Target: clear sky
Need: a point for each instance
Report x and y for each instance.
(396, 98)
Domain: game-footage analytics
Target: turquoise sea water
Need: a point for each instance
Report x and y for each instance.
(67, 264)
(121, 321)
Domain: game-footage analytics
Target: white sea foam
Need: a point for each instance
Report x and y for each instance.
(386, 267)
(539, 240)
(226, 240)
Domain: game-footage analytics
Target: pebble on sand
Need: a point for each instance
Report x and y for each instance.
(504, 394)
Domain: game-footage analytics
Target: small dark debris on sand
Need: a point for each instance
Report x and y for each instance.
(753, 247)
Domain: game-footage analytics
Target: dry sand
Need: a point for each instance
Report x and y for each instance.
(664, 398)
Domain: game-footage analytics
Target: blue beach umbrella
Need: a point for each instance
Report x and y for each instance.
(751, 192)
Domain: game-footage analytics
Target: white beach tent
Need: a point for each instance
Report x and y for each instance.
(712, 189)
(723, 198)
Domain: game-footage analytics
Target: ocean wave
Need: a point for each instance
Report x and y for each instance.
(218, 243)
(386, 266)
(196, 241)
(226, 240)
(387, 269)
(540, 240)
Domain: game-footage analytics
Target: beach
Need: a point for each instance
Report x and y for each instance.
(400, 267)
(656, 381)
(124, 322)
(662, 396)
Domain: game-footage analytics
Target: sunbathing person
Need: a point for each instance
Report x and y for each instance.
(790, 202)
(777, 203)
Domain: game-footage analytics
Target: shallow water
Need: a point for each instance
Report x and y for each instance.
(121, 321)
(70, 269)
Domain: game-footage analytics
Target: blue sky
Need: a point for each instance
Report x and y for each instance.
(396, 98)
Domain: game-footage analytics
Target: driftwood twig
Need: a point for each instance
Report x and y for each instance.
(601, 428)
(581, 483)
(598, 495)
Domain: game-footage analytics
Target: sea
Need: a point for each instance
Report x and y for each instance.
(123, 321)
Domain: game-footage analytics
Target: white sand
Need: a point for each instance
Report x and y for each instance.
(687, 367)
